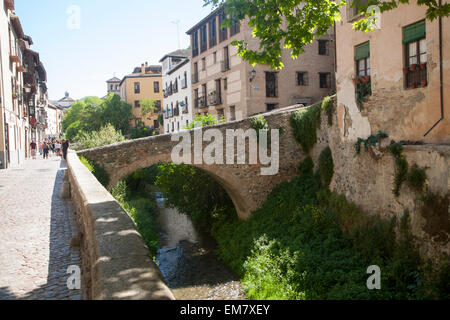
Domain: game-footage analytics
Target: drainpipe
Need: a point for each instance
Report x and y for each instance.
(2, 109)
(440, 76)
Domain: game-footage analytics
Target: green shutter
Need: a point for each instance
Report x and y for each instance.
(362, 51)
(414, 32)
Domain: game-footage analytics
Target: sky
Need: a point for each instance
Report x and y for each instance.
(107, 38)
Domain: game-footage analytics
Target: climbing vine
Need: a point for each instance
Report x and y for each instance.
(305, 123)
(370, 141)
(363, 91)
(327, 106)
(401, 166)
(326, 166)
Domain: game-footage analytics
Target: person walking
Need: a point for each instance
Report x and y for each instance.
(41, 147)
(58, 148)
(65, 147)
(46, 149)
(33, 146)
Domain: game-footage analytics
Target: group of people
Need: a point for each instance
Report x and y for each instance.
(58, 147)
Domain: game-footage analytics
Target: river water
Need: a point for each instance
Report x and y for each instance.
(187, 261)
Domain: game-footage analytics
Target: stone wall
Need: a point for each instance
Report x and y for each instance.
(116, 263)
(367, 180)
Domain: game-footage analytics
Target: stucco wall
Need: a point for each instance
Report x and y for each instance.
(116, 263)
(405, 114)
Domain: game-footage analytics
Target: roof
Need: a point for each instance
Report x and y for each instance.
(139, 75)
(178, 66)
(153, 68)
(17, 26)
(208, 17)
(181, 53)
(115, 79)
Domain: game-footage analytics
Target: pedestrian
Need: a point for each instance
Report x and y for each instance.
(65, 147)
(46, 149)
(58, 148)
(41, 147)
(33, 146)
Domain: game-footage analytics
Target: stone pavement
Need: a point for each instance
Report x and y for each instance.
(36, 227)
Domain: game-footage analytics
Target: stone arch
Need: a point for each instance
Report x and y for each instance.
(232, 185)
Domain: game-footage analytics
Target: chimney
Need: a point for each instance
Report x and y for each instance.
(142, 68)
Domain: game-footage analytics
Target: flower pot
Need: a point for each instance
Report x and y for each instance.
(412, 85)
(405, 71)
(366, 79)
(423, 83)
(423, 66)
(413, 67)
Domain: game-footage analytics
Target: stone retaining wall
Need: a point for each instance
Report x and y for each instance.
(116, 263)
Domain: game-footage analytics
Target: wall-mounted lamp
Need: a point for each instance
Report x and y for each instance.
(252, 75)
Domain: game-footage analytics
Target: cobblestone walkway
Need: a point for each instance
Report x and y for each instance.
(36, 226)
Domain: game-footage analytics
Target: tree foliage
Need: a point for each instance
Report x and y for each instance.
(92, 113)
(105, 136)
(293, 24)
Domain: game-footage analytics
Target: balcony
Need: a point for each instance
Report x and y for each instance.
(20, 68)
(214, 99)
(225, 65)
(203, 46)
(165, 93)
(169, 91)
(184, 108)
(176, 111)
(175, 87)
(194, 78)
(195, 52)
(201, 102)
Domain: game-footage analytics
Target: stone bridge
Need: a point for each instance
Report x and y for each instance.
(244, 183)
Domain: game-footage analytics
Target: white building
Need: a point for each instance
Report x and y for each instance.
(177, 91)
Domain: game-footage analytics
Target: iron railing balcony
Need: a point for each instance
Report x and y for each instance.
(202, 102)
(214, 99)
(183, 83)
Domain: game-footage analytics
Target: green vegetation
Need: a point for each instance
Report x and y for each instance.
(141, 131)
(326, 166)
(203, 121)
(91, 114)
(305, 242)
(305, 123)
(282, 25)
(140, 206)
(100, 173)
(370, 141)
(363, 91)
(401, 166)
(161, 119)
(105, 136)
(416, 178)
(327, 106)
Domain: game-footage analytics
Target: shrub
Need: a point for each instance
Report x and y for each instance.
(140, 131)
(401, 166)
(327, 106)
(416, 178)
(106, 136)
(326, 166)
(306, 167)
(305, 123)
(202, 121)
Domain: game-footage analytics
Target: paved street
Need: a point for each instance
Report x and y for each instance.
(36, 226)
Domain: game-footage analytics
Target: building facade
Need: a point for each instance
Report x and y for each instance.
(15, 133)
(230, 88)
(406, 87)
(113, 86)
(144, 83)
(177, 91)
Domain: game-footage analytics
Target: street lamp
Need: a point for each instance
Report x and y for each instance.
(252, 75)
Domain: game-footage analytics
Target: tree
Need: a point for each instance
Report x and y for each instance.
(105, 136)
(116, 112)
(147, 106)
(293, 24)
(203, 121)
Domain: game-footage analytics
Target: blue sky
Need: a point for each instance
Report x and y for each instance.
(114, 37)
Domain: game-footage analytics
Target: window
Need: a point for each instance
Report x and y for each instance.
(196, 98)
(203, 41)
(195, 43)
(225, 84)
(223, 32)
(325, 80)
(137, 87)
(271, 85)
(156, 87)
(155, 124)
(226, 60)
(323, 48)
(355, 7)
(271, 106)
(178, 126)
(173, 126)
(232, 113)
(235, 27)
(215, 57)
(158, 105)
(203, 64)
(415, 69)
(362, 58)
(302, 78)
(137, 104)
(220, 114)
(212, 32)
(137, 121)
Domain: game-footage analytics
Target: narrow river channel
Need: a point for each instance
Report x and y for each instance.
(187, 261)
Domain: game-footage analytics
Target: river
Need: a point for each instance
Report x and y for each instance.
(187, 261)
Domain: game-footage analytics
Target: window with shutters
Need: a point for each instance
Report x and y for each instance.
(362, 59)
(271, 85)
(415, 67)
